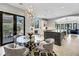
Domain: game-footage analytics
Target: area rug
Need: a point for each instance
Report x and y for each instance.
(36, 52)
(44, 54)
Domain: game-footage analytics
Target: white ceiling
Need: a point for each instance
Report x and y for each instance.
(50, 10)
(73, 19)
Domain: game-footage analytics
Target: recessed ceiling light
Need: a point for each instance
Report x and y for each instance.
(62, 7)
(20, 3)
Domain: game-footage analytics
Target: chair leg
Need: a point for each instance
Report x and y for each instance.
(39, 53)
(50, 52)
(46, 54)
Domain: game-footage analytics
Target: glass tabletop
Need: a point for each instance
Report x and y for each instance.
(22, 39)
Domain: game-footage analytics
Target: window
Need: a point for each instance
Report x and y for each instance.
(70, 22)
(62, 26)
(36, 22)
(10, 25)
(65, 26)
(70, 25)
(7, 28)
(74, 26)
(20, 25)
(59, 26)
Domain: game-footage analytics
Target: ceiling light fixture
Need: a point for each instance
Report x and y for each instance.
(62, 7)
(28, 11)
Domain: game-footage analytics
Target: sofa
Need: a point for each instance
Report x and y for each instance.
(76, 31)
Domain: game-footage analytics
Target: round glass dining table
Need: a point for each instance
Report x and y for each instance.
(22, 39)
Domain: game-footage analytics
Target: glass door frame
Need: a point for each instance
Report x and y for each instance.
(23, 24)
(14, 26)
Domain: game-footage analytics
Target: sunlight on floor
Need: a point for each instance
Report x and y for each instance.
(69, 39)
(70, 46)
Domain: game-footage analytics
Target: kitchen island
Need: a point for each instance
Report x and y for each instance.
(57, 36)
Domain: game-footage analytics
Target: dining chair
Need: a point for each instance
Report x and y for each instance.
(46, 46)
(10, 50)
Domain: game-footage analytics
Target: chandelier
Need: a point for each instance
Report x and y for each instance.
(29, 11)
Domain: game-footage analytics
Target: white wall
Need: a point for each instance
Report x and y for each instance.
(7, 8)
(42, 27)
(28, 24)
(51, 24)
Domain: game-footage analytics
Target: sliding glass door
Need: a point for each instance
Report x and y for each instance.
(20, 25)
(7, 28)
(10, 25)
